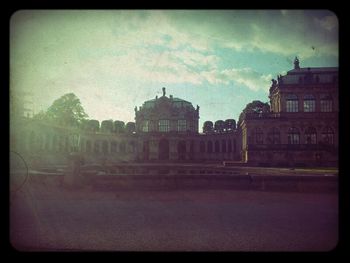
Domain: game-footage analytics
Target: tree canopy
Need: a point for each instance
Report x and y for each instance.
(67, 111)
(254, 107)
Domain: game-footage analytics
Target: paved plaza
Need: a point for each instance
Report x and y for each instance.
(50, 218)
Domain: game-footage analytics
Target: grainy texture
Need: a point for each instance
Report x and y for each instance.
(48, 218)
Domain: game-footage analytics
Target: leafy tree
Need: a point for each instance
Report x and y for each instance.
(255, 106)
(67, 111)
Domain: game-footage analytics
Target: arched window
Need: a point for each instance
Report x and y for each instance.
(223, 146)
(210, 147)
(310, 135)
(328, 135)
(293, 136)
(292, 104)
(113, 147)
(326, 103)
(192, 146)
(131, 146)
(202, 146)
(258, 136)
(309, 103)
(273, 136)
(122, 147)
(97, 147)
(217, 146)
(229, 146)
(105, 147)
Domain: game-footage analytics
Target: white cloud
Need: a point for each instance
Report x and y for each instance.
(328, 22)
(247, 77)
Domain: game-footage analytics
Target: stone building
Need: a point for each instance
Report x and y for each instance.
(301, 128)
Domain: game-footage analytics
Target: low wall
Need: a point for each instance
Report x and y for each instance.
(102, 181)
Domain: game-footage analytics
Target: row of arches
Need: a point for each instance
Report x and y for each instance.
(294, 136)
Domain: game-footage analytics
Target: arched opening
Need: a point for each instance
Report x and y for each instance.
(181, 150)
(145, 150)
(105, 147)
(217, 146)
(210, 147)
(163, 151)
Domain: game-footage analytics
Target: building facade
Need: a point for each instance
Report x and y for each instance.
(301, 129)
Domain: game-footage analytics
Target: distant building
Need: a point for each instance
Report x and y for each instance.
(300, 130)
(302, 127)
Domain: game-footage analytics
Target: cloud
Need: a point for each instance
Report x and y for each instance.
(328, 22)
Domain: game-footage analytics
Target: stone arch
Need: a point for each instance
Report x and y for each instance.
(163, 149)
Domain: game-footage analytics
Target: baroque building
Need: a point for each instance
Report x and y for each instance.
(301, 129)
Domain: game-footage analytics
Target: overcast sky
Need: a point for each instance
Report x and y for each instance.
(114, 60)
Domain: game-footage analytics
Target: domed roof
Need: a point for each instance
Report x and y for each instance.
(175, 102)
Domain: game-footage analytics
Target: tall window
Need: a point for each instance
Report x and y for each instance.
(217, 146)
(309, 103)
(258, 136)
(210, 147)
(132, 146)
(202, 146)
(292, 103)
(274, 136)
(181, 125)
(229, 146)
(328, 135)
(326, 103)
(105, 147)
(293, 136)
(163, 126)
(96, 147)
(122, 147)
(145, 126)
(223, 146)
(113, 147)
(310, 135)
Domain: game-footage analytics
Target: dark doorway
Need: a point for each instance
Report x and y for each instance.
(163, 150)
(181, 150)
(146, 150)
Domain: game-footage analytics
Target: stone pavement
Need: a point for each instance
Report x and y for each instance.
(51, 218)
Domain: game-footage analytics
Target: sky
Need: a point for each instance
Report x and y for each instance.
(114, 60)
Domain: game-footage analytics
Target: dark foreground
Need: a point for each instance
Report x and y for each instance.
(51, 218)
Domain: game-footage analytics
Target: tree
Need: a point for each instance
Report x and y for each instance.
(255, 106)
(67, 111)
